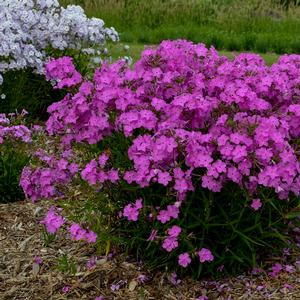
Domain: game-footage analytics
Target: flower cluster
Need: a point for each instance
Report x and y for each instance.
(78, 234)
(63, 71)
(233, 119)
(29, 28)
(42, 182)
(19, 132)
(171, 241)
(195, 119)
(94, 172)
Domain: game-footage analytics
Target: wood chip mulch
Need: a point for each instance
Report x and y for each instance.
(22, 278)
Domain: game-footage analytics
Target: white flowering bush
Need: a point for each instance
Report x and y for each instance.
(30, 29)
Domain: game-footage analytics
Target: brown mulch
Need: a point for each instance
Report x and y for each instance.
(21, 278)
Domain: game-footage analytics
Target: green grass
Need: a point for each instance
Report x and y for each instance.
(232, 25)
(117, 51)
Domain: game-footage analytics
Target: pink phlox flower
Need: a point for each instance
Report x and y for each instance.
(170, 243)
(289, 269)
(174, 231)
(276, 269)
(91, 263)
(38, 260)
(141, 278)
(202, 298)
(205, 255)
(173, 279)
(53, 221)
(103, 158)
(131, 211)
(256, 204)
(184, 259)
(66, 289)
(78, 234)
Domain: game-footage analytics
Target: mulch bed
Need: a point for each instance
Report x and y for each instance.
(22, 278)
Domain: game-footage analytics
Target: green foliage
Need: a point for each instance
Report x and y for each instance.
(12, 160)
(264, 26)
(29, 91)
(47, 237)
(66, 265)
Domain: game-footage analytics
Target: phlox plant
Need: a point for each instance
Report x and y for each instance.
(187, 159)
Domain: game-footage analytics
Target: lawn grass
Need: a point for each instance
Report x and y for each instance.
(135, 50)
(232, 25)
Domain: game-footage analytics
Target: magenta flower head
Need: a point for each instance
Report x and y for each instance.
(170, 243)
(53, 220)
(174, 231)
(103, 158)
(78, 233)
(91, 263)
(38, 260)
(256, 204)
(184, 259)
(205, 255)
(131, 211)
(66, 289)
(174, 279)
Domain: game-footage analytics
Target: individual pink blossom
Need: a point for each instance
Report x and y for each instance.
(90, 236)
(184, 259)
(288, 286)
(205, 255)
(256, 204)
(170, 243)
(53, 220)
(77, 233)
(131, 211)
(174, 279)
(174, 231)
(103, 158)
(289, 269)
(276, 269)
(91, 263)
(66, 289)
(38, 260)
(142, 278)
